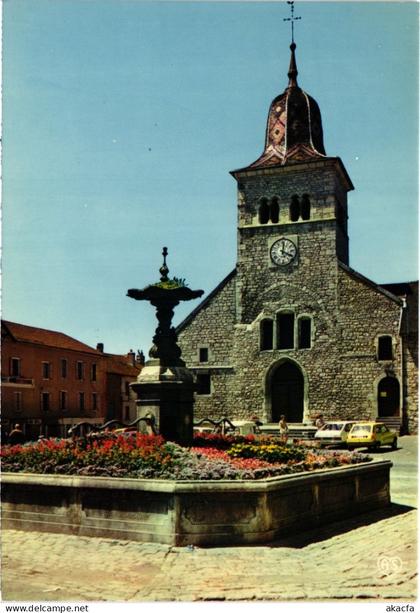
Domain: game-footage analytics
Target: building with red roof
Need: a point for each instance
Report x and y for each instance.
(51, 381)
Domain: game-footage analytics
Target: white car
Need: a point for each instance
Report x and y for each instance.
(334, 433)
(244, 427)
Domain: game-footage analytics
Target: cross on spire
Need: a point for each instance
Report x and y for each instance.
(292, 18)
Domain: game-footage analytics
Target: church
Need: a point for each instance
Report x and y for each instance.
(293, 329)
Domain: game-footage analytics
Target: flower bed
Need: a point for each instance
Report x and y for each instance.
(213, 457)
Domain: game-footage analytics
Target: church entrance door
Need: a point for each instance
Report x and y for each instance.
(389, 397)
(287, 387)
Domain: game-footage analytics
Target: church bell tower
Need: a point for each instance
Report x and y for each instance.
(292, 205)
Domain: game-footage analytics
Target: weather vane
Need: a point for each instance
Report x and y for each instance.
(292, 18)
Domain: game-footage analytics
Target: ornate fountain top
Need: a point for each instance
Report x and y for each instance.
(169, 290)
(164, 269)
(165, 295)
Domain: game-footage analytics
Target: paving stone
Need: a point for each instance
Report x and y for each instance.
(36, 567)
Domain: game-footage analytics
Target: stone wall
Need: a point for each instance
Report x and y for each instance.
(212, 327)
(410, 330)
(366, 313)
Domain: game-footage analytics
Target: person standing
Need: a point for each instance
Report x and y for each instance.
(284, 429)
(16, 436)
(319, 422)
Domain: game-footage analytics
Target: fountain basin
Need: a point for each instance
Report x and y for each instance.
(199, 513)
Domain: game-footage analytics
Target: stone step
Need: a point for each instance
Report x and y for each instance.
(393, 423)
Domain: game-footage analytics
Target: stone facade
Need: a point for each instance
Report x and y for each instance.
(293, 329)
(409, 338)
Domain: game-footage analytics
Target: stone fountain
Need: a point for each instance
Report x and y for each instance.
(165, 386)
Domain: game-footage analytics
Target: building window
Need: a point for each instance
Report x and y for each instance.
(17, 401)
(285, 331)
(294, 208)
(82, 401)
(63, 366)
(305, 207)
(385, 348)
(203, 384)
(15, 367)
(300, 208)
(264, 211)
(127, 388)
(93, 372)
(127, 413)
(79, 370)
(266, 334)
(203, 354)
(274, 210)
(94, 402)
(46, 370)
(45, 401)
(304, 333)
(63, 401)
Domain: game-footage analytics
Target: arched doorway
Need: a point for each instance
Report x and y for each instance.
(286, 389)
(388, 397)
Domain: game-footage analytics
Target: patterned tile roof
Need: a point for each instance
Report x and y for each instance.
(294, 126)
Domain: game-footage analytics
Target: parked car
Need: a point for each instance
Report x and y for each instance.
(371, 434)
(245, 427)
(334, 433)
(208, 429)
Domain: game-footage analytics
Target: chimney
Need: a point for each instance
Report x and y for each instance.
(131, 357)
(100, 347)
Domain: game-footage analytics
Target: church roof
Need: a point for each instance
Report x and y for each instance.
(294, 126)
(382, 289)
(206, 300)
(400, 289)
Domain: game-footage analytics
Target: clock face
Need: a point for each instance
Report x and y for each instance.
(283, 252)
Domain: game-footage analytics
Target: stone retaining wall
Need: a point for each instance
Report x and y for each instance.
(199, 512)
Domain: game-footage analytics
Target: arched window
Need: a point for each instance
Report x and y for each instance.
(294, 208)
(304, 333)
(266, 334)
(274, 210)
(285, 330)
(385, 348)
(264, 211)
(305, 207)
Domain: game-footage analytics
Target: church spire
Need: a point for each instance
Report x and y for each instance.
(292, 74)
(293, 71)
(294, 126)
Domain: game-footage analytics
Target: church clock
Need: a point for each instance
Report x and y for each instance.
(283, 252)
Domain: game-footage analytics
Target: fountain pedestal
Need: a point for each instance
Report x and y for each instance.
(166, 395)
(165, 386)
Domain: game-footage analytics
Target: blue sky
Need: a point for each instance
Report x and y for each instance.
(122, 120)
